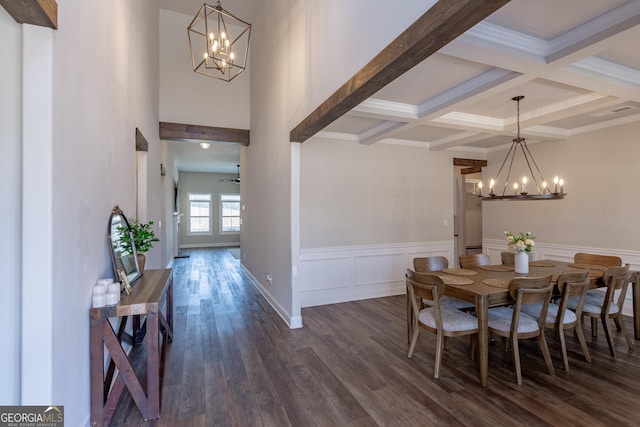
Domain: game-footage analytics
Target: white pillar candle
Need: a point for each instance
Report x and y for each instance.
(99, 300)
(114, 289)
(111, 298)
(104, 283)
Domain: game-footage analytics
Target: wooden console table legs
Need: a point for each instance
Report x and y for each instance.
(155, 287)
(103, 406)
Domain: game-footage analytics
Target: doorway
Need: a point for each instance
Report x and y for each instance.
(467, 224)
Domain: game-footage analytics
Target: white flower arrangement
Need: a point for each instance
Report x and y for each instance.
(522, 242)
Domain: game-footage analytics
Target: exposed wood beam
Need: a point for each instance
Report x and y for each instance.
(185, 132)
(469, 162)
(43, 13)
(467, 171)
(442, 23)
(141, 142)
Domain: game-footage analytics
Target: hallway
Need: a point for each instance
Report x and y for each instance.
(234, 362)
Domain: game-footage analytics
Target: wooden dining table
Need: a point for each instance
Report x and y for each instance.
(471, 285)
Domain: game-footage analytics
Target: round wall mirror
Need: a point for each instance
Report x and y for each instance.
(123, 250)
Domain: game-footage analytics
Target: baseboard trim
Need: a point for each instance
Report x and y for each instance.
(294, 322)
(210, 245)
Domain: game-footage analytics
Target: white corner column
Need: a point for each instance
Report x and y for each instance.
(296, 310)
(37, 216)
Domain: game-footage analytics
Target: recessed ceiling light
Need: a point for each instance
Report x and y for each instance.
(205, 145)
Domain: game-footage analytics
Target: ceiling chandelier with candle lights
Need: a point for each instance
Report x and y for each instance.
(522, 188)
(219, 43)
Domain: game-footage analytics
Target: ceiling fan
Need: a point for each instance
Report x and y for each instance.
(235, 180)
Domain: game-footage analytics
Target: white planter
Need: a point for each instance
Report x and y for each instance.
(522, 262)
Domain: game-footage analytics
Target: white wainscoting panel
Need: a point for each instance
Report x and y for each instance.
(332, 275)
(327, 273)
(493, 247)
(377, 269)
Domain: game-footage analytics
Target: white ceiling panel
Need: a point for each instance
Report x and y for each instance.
(429, 78)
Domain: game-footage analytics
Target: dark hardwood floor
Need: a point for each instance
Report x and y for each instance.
(234, 362)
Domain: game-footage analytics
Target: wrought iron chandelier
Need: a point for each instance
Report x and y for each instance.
(219, 43)
(543, 191)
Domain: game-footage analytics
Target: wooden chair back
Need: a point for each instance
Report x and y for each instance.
(474, 260)
(594, 259)
(430, 263)
(457, 323)
(616, 278)
(572, 285)
(424, 286)
(510, 257)
(528, 290)
(531, 290)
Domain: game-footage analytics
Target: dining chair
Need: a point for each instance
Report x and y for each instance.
(430, 263)
(514, 324)
(559, 317)
(509, 257)
(601, 304)
(437, 263)
(474, 260)
(440, 320)
(594, 259)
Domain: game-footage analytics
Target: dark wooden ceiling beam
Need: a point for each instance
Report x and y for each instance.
(185, 132)
(469, 162)
(467, 171)
(43, 13)
(141, 142)
(442, 23)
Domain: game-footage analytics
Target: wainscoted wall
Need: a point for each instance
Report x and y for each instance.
(332, 275)
(493, 247)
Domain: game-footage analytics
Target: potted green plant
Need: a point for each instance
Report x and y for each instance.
(143, 238)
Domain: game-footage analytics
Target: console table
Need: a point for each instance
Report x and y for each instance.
(154, 288)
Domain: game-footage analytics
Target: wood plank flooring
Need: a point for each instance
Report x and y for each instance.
(234, 362)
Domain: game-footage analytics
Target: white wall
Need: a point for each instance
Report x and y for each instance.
(105, 84)
(354, 194)
(601, 208)
(188, 97)
(308, 64)
(366, 211)
(206, 183)
(10, 214)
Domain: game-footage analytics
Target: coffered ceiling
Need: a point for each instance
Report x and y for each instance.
(576, 62)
